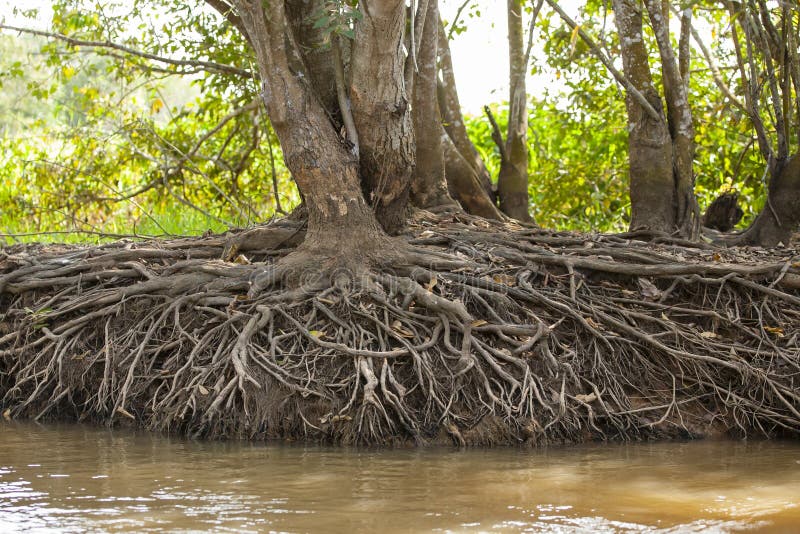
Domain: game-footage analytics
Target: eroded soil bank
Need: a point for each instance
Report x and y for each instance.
(477, 333)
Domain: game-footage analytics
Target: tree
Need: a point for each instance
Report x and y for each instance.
(768, 62)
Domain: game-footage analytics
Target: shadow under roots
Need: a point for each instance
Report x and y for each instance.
(462, 331)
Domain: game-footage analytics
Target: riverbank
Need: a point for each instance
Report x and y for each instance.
(502, 335)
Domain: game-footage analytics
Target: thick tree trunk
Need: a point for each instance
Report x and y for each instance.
(780, 217)
(429, 186)
(512, 183)
(652, 186)
(453, 120)
(681, 127)
(325, 171)
(381, 110)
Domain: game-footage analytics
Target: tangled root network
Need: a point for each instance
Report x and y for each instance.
(488, 333)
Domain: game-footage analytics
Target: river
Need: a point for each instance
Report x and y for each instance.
(62, 478)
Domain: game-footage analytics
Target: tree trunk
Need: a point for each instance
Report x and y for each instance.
(380, 110)
(780, 217)
(652, 186)
(681, 127)
(429, 187)
(512, 183)
(325, 171)
(464, 183)
(312, 57)
(453, 120)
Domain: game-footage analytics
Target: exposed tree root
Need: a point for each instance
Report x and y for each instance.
(477, 333)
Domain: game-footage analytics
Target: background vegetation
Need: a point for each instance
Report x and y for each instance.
(105, 143)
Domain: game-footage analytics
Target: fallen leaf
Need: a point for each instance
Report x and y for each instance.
(202, 389)
(777, 330)
(7, 414)
(430, 285)
(708, 335)
(317, 333)
(505, 279)
(591, 397)
(397, 326)
(241, 259)
(478, 322)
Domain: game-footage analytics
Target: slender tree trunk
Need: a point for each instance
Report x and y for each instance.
(429, 186)
(453, 120)
(381, 110)
(325, 171)
(512, 183)
(464, 183)
(652, 187)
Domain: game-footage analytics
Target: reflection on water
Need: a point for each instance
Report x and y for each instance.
(77, 479)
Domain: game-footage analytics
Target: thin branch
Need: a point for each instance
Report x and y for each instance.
(621, 78)
(341, 95)
(227, 11)
(497, 137)
(713, 67)
(206, 65)
(453, 24)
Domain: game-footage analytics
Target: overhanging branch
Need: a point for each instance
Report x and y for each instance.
(205, 65)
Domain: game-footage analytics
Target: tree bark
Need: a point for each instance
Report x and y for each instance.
(780, 217)
(464, 183)
(681, 127)
(652, 187)
(429, 186)
(452, 118)
(381, 110)
(512, 183)
(325, 171)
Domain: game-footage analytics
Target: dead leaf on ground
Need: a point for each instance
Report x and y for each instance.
(591, 397)
(317, 333)
(505, 279)
(7, 414)
(709, 335)
(397, 326)
(202, 389)
(777, 330)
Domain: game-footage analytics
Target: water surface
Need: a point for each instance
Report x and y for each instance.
(79, 479)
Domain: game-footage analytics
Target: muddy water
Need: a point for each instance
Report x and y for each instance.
(78, 479)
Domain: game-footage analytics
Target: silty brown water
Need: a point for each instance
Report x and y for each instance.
(79, 479)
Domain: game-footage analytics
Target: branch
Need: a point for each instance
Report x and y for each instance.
(455, 19)
(497, 137)
(621, 79)
(206, 65)
(684, 51)
(712, 65)
(228, 12)
(752, 93)
(341, 95)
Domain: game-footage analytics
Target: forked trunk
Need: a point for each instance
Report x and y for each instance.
(325, 171)
(660, 153)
